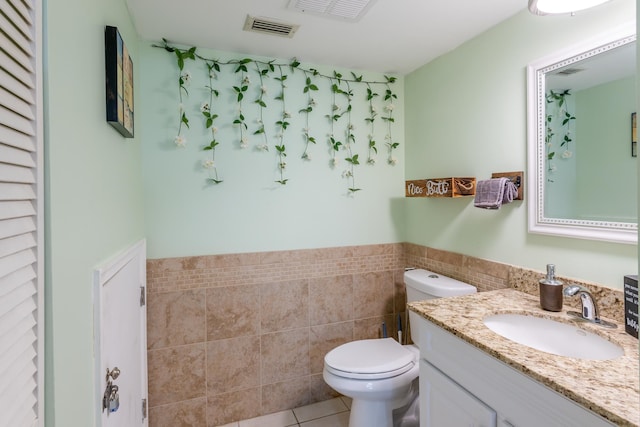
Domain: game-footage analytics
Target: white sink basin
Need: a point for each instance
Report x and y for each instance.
(553, 337)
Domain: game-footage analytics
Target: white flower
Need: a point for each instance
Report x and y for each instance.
(351, 126)
(286, 115)
(347, 174)
(370, 137)
(246, 81)
(243, 142)
(180, 141)
(373, 109)
(392, 161)
(306, 156)
(263, 89)
(208, 164)
(181, 107)
(263, 147)
(214, 129)
(566, 154)
(335, 107)
(389, 107)
(387, 137)
(312, 102)
(204, 107)
(186, 77)
(371, 161)
(334, 162)
(282, 165)
(552, 167)
(212, 74)
(305, 131)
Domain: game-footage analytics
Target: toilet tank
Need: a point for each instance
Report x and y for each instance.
(424, 285)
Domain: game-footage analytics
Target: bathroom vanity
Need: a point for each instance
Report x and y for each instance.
(469, 375)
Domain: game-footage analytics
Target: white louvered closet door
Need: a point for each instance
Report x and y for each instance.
(21, 231)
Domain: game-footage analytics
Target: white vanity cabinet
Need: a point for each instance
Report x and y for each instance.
(462, 386)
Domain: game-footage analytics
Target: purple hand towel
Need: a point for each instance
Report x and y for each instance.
(490, 193)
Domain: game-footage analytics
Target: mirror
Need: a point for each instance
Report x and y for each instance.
(582, 165)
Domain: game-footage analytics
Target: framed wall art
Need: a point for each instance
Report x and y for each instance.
(119, 82)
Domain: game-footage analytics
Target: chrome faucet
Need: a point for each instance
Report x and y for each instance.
(589, 306)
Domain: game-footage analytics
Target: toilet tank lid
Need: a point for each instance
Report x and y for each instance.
(435, 284)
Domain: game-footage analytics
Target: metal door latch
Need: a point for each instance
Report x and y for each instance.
(111, 398)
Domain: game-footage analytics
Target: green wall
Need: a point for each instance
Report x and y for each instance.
(466, 116)
(249, 211)
(606, 168)
(93, 194)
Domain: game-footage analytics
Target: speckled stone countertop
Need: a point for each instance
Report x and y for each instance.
(609, 388)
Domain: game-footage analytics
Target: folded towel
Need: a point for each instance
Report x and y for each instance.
(490, 193)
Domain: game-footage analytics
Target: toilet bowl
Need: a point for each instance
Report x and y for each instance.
(380, 375)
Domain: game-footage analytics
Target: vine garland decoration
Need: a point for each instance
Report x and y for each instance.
(340, 86)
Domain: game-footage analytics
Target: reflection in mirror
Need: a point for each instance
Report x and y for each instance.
(582, 172)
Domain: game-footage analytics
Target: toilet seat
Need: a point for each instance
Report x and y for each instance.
(370, 359)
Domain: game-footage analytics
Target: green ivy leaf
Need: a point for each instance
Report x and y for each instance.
(282, 181)
(353, 190)
(353, 160)
(214, 181)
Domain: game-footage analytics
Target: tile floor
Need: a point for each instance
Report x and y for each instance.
(330, 413)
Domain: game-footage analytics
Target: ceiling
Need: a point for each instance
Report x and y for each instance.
(393, 36)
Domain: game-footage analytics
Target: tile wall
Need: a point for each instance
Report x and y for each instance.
(232, 337)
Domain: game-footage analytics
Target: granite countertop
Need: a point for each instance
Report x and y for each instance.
(609, 388)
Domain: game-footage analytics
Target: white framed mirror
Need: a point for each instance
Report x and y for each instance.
(582, 172)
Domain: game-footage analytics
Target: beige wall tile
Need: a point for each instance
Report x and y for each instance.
(285, 355)
(371, 328)
(176, 374)
(284, 305)
(373, 294)
(330, 299)
(233, 311)
(188, 413)
(234, 406)
(319, 390)
(233, 364)
(325, 338)
(175, 318)
(285, 395)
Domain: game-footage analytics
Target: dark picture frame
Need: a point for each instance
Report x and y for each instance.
(634, 136)
(119, 83)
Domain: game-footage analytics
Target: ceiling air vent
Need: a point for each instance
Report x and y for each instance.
(569, 71)
(349, 10)
(269, 26)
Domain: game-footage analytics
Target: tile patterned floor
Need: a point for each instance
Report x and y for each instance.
(330, 413)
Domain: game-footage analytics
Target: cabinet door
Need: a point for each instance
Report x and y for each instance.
(447, 404)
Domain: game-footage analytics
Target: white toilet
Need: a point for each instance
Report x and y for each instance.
(380, 375)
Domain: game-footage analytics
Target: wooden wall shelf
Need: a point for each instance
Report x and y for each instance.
(441, 187)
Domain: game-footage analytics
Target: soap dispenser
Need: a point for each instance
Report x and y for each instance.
(551, 290)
